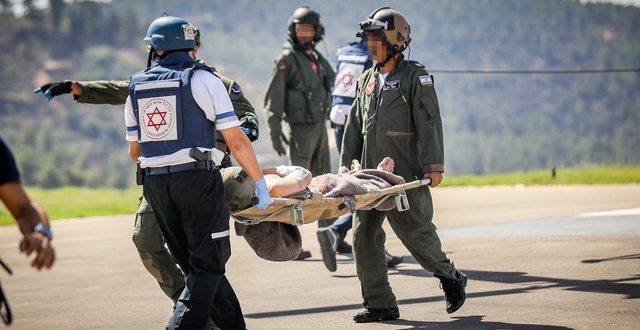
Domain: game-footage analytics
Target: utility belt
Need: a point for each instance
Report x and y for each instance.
(206, 165)
(203, 162)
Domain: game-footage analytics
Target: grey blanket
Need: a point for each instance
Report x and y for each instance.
(276, 241)
(355, 183)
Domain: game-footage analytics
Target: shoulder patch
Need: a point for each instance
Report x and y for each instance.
(235, 88)
(426, 80)
(415, 63)
(281, 64)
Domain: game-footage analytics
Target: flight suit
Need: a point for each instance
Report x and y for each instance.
(400, 120)
(146, 233)
(300, 94)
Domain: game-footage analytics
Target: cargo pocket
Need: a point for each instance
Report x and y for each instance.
(428, 104)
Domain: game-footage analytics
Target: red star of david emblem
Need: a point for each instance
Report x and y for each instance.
(347, 79)
(153, 115)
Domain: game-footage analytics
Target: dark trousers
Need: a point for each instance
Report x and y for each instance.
(342, 225)
(194, 220)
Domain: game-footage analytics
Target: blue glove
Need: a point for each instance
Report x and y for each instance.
(264, 200)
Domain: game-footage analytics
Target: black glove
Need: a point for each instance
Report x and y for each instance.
(277, 146)
(54, 89)
(249, 126)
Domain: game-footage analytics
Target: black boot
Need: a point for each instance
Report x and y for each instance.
(377, 314)
(344, 247)
(328, 241)
(304, 254)
(392, 260)
(454, 290)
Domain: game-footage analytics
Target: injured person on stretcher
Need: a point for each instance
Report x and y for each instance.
(271, 234)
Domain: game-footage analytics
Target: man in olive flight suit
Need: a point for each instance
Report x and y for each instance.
(146, 234)
(300, 94)
(396, 114)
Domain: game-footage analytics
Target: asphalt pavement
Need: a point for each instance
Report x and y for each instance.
(552, 257)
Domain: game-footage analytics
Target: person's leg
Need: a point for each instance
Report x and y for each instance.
(418, 233)
(368, 247)
(226, 307)
(206, 224)
(303, 143)
(342, 225)
(154, 255)
(156, 192)
(371, 267)
(338, 131)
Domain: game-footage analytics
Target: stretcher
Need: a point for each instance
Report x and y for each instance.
(298, 211)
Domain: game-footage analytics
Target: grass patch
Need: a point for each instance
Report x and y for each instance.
(74, 202)
(564, 176)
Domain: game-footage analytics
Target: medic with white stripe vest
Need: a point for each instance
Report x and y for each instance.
(353, 59)
(172, 112)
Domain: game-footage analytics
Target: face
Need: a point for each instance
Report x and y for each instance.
(305, 33)
(377, 51)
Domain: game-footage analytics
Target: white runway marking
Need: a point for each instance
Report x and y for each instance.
(614, 222)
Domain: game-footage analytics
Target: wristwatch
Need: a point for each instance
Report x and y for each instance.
(44, 230)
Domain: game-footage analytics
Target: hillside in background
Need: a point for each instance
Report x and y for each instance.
(493, 122)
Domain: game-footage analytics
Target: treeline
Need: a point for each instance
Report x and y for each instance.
(59, 143)
(493, 122)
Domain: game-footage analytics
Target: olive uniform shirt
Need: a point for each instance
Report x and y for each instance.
(400, 120)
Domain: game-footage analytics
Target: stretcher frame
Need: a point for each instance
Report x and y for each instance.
(303, 211)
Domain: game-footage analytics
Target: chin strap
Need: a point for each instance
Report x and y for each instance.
(150, 57)
(391, 49)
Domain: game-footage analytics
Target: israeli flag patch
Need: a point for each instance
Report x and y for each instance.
(425, 80)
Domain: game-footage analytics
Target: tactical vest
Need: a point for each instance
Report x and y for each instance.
(169, 119)
(307, 101)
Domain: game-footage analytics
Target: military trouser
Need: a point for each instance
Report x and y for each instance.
(416, 231)
(154, 255)
(309, 148)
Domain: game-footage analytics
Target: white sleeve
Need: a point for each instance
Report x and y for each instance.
(130, 121)
(213, 99)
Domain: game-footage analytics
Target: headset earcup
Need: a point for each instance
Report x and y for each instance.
(319, 33)
(292, 31)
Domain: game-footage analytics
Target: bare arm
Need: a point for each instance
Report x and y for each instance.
(134, 150)
(28, 215)
(284, 184)
(242, 151)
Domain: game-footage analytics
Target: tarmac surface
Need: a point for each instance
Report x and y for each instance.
(552, 257)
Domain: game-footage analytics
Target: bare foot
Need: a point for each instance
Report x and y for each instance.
(387, 165)
(355, 165)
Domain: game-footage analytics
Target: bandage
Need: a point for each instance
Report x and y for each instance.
(297, 172)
